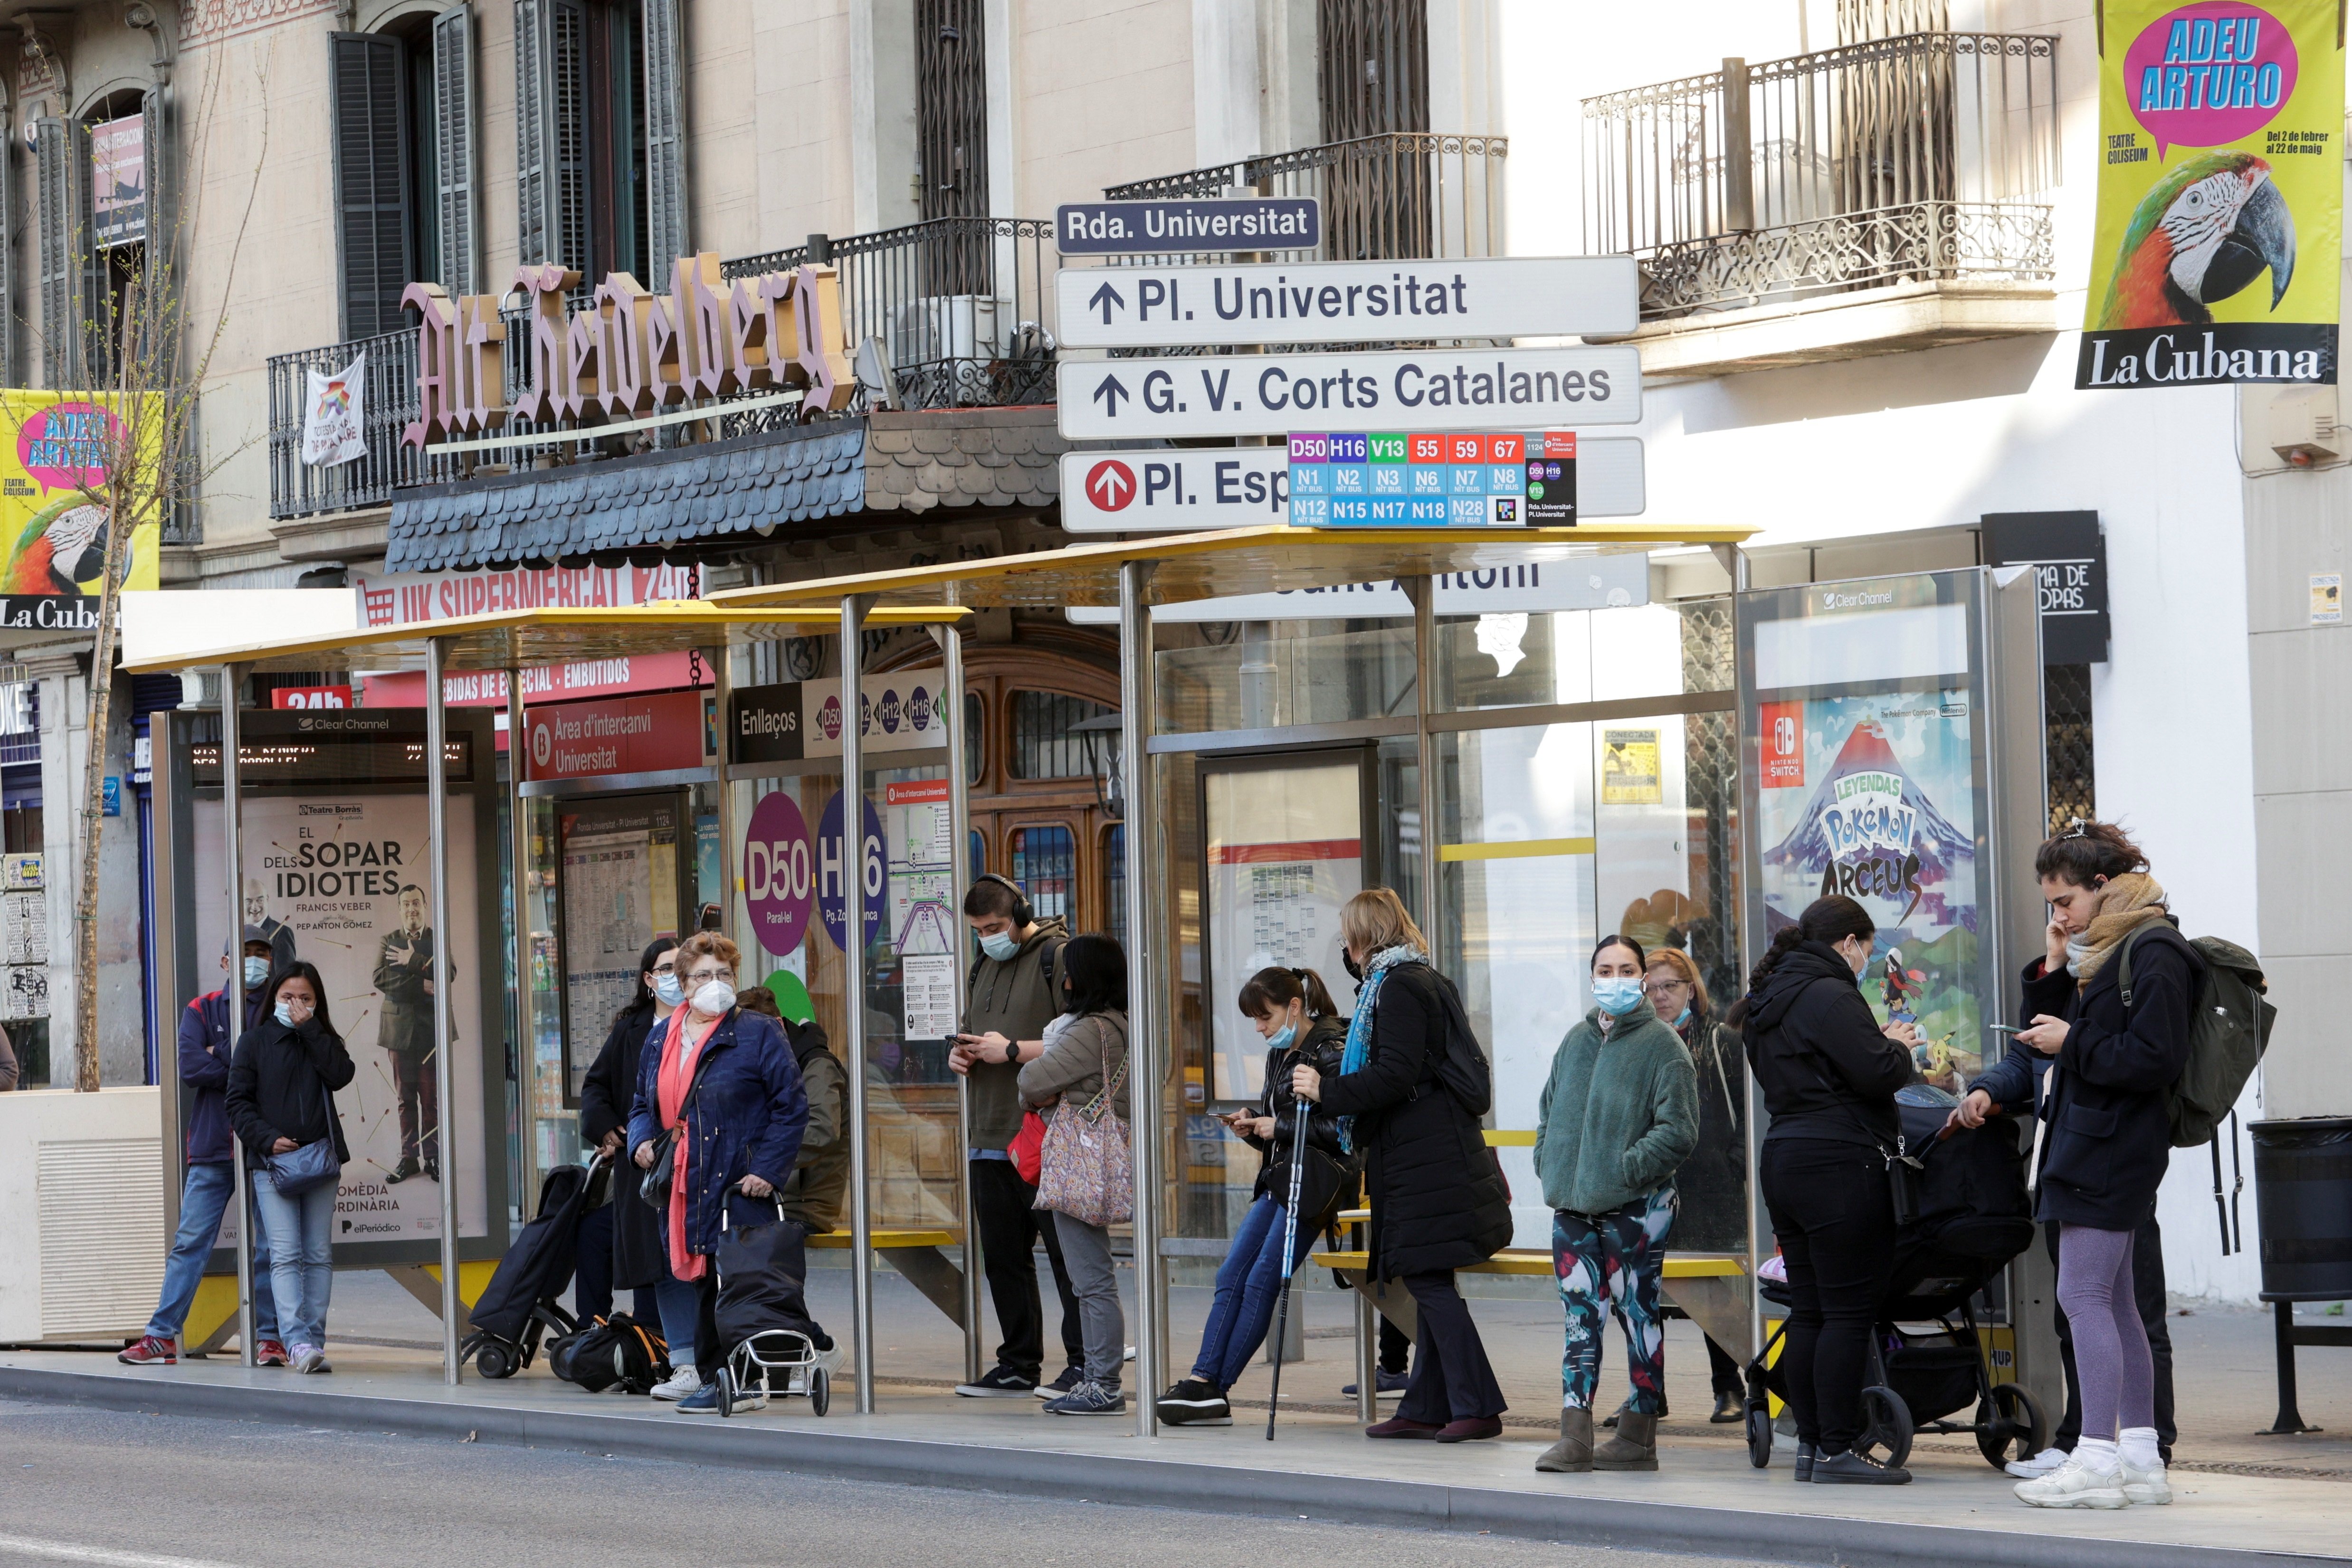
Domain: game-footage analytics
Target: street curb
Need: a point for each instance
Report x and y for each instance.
(1174, 1483)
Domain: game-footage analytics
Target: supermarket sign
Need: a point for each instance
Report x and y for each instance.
(419, 598)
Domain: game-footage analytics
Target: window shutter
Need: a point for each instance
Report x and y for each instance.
(163, 180)
(669, 236)
(67, 255)
(370, 116)
(552, 131)
(453, 105)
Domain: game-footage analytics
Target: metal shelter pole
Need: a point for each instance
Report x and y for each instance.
(853, 955)
(960, 874)
(723, 682)
(519, 897)
(437, 975)
(1146, 966)
(232, 844)
(1423, 591)
(1734, 563)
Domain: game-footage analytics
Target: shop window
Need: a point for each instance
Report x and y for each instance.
(1115, 882)
(1044, 862)
(1043, 745)
(974, 747)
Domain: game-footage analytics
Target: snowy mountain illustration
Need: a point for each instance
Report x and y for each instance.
(1869, 802)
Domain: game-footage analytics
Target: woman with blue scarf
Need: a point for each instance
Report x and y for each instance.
(1617, 1114)
(1439, 1202)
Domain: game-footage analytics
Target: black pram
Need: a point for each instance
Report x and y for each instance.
(519, 1305)
(1975, 1215)
(772, 1345)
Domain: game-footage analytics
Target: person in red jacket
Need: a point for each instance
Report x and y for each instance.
(204, 1043)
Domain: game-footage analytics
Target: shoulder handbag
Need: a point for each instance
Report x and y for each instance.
(653, 1186)
(314, 1164)
(1086, 1168)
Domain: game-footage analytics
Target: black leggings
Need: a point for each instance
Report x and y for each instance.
(1833, 1216)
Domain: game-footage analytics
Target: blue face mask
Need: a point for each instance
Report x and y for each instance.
(671, 992)
(1683, 1017)
(1282, 1037)
(256, 974)
(285, 1014)
(1000, 945)
(1617, 994)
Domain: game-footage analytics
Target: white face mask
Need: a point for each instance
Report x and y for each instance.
(256, 974)
(713, 997)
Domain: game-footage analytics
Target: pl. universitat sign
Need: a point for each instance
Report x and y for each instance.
(629, 353)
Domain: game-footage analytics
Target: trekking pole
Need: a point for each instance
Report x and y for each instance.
(1290, 1251)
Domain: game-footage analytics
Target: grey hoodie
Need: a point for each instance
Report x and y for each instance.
(1018, 997)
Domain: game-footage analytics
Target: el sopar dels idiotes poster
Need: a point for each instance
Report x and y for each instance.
(2220, 194)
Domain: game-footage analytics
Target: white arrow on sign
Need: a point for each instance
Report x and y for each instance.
(1189, 487)
(1412, 390)
(1347, 301)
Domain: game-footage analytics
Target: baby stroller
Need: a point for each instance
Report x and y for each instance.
(1975, 1215)
(519, 1305)
(774, 1347)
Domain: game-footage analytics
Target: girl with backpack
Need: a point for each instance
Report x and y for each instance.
(2102, 1135)
(1301, 1023)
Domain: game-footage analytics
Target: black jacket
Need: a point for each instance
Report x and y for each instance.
(1439, 1201)
(1326, 1043)
(605, 1096)
(279, 1080)
(1817, 1053)
(1712, 1180)
(2110, 1134)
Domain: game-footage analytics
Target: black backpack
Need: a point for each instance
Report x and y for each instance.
(614, 1350)
(1464, 1069)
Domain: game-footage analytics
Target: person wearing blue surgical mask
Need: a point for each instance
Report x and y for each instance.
(1617, 1114)
(1292, 1012)
(619, 1242)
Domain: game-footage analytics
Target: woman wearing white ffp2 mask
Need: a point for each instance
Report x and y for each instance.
(726, 1081)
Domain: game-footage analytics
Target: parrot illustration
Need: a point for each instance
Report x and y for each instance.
(63, 547)
(2206, 231)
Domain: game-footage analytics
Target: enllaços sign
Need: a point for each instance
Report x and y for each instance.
(779, 874)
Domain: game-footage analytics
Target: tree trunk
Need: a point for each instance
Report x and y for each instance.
(93, 804)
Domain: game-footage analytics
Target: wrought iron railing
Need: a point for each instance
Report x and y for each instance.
(1407, 195)
(1912, 156)
(959, 308)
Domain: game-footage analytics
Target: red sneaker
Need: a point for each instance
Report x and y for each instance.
(269, 1353)
(1399, 1427)
(149, 1351)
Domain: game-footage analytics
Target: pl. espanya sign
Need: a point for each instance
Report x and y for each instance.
(630, 353)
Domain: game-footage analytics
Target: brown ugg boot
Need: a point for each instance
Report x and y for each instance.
(1572, 1455)
(1634, 1447)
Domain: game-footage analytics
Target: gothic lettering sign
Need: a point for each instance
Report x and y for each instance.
(629, 353)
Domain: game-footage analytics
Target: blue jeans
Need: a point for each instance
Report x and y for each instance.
(679, 1304)
(302, 1231)
(204, 1198)
(1249, 1283)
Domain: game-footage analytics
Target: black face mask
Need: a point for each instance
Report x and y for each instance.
(1347, 960)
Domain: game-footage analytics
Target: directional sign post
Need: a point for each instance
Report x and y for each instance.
(1346, 301)
(1195, 488)
(1272, 395)
(1189, 228)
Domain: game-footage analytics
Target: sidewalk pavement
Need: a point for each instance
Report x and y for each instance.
(2240, 1498)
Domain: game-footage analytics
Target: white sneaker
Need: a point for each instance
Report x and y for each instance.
(683, 1381)
(2040, 1465)
(2145, 1485)
(2074, 1485)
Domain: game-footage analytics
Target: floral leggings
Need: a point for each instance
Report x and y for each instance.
(1613, 1261)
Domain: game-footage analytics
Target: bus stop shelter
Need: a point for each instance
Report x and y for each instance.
(1398, 679)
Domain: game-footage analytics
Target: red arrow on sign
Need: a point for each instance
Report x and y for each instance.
(1111, 484)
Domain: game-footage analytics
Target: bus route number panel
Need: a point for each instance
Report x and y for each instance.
(1349, 479)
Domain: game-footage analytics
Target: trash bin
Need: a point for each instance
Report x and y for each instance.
(2302, 1198)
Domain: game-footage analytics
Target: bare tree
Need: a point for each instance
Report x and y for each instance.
(137, 359)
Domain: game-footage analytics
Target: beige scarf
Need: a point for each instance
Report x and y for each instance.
(2131, 901)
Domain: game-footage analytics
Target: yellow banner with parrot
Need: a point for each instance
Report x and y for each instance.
(2220, 194)
(59, 455)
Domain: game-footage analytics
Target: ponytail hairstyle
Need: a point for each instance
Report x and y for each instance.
(1828, 920)
(2086, 852)
(1641, 960)
(1271, 990)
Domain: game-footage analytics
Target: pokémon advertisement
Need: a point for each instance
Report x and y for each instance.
(2220, 196)
(55, 512)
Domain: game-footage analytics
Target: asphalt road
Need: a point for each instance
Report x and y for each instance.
(150, 1491)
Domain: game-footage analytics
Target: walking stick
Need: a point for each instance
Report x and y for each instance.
(1289, 1253)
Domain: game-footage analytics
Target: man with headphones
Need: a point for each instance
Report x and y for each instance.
(1015, 991)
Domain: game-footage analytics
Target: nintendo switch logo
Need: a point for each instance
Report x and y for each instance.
(1782, 729)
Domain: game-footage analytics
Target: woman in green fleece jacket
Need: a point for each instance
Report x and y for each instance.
(1619, 1112)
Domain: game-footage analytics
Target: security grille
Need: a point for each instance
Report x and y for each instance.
(2066, 744)
(1860, 21)
(951, 139)
(1375, 66)
(1043, 745)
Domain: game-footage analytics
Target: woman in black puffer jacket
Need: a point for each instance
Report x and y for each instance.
(1829, 1072)
(1439, 1202)
(1301, 1024)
